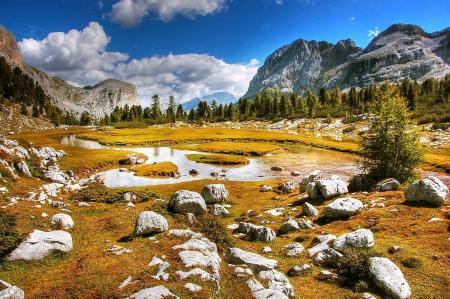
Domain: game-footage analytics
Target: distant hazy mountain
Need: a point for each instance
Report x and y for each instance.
(220, 98)
(97, 100)
(401, 51)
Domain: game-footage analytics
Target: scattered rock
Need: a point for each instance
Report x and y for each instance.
(387, 185)
(219, 210)
(276, 168)
(278, 281)
(9, 291)
(83, 204)
(118, 250)
(40, 244)
(149, 222)
(193, 172)
(287, 187)
(158, 292)
(306, 224)
(329, 276)
(64, 220)
(288, 226)
(389, 278)
(259, 292)
(313, 176)
(193, 287)
(254, 261)
(184, 233)
(266, 188)
(184, 201)
(394, 249)
(300, 270)
(163, 266)
(296, 173)
(326, 188)
(214, 193)
(255, 232)
(310, 210)
(293, 249)
(266, 249)
(342, 208)
(429, 189)
(23, 168)
(133, 159)
(361, 238)
(129, 196)
(327, 257)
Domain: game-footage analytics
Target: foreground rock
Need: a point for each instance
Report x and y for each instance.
(361, 238)
(388, 277)
(288, 226)
(310, 210)
(40, 244)
(63, 220)
(255, 232)
(429, 189)
(157, 292)
(149, 222)
(313, 176)
(287, 187)
(254, 261)
(214, 193)
(260, 292)
(342, 208)
(326, 188)
(184, 201)
(387, 185)
(10, 291)
(219, 210)
(133, 159)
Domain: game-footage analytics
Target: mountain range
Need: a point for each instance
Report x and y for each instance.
(220, 98)
(97, 100)
(401, 51)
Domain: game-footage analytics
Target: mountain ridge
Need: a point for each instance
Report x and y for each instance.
(221, 97)
(401, 51)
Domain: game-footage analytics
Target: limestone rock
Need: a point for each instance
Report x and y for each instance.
(64, 220)
(219, 210)
(342, 208)
(255, 232)
(288, 226)
(327, 188)
(300, 270)
(361, 238)
(387, 185)
(388, 277)
(293, 249)
(287, 187)
(313, 176)
(310, 210)
(429, 189)
(149, 222)
(254, 261)
(158, 292)
(10, 291)
(214, 193)
(184, 201)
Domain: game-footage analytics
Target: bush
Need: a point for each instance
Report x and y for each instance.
(214, 230)
(354, 267)
(9, 237)
(391, 147)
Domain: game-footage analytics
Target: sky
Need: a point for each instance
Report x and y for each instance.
(190, 48)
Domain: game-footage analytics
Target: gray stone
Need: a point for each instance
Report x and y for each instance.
(278, 281)
(313, 176)
(266, 188)
(389, 278)
(361, 238)
(40, 244)
(310, 210)
(219, 210)
(10, 291)
(306, 224)
(343, 207)
(193, 287)
(300, 270)
(214, 193)
(387, 185)
(327, 188)
(23, 168)
(254, 261)
(429, 189)
(287, 187)
(327, 257)
(259, 292)
(276, 168)
(63, 220)
(255, 232)
(184, 201)
(149, 222)
(288, 226)
(158, 292)
(293, 249)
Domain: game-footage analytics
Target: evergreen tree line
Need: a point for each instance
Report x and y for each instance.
(428, 102)
(18, 87)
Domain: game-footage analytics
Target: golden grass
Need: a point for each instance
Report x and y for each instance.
(88, 271)
(218, 159)
(156, 169)
(235, 148)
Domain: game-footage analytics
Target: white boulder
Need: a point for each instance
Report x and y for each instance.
(429, 189)
(149, 222)
(389, 278)
(63, 220)
(342, 208)
(214, 193)
(184, 201)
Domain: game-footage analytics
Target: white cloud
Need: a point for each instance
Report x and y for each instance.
(81, 58)
(279, 2)
(373, 33)
(352, 18)
(131, 12)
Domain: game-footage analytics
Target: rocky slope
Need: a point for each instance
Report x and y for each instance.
(220, 98)
(401, 51)
(98, 99)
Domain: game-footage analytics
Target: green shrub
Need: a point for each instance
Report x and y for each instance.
(9, 237)
(354, 267)
(214, 230)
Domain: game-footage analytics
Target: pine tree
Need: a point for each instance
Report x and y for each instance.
(170, 112)
(156, 108)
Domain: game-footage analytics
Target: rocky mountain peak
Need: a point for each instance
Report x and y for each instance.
(9, 48)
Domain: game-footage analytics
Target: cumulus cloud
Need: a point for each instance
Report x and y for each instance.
(373, 33)
(352, 18)
(129, 13)
(81, 58)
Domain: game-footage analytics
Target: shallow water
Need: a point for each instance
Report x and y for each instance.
(299, 158)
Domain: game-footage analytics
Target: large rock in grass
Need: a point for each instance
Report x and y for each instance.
(256, 262)
(327, 188)
(149, 222)
(10, 291)
(184, 201)
(39, 244)
(63, 220)
(287, 187)
(361, 238)
(310, 210)
(255, 232)
(157, 292)
(387, 185)
(429, 189)
(389, 278)
(288, 226)
(343, 208)
(214, 193)
(260, 292)
(312, 177)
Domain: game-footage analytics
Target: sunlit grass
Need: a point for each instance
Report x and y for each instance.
(218, 159)
(156, 169)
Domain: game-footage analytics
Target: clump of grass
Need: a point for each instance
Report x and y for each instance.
(9, 237)
(157, 169)
(218, 159)
(214, 230)
(353, 267)
(95, 191)
(412, 262)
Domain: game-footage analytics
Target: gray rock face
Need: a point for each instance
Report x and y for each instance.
(149, 222)
(184, 201)
(214, 193)
(387, 185)
(256, 262)
(388, 277)
(300, 270)
(278, 281)
(255, 232)
(293, 249)
(343, 207)
(401, 51)
(326, 188)
(361, 238)
(133, 159)
(287, 187)
(260, 292)
(219, 210)
(158, 292)
(328, 257)
(288, 226)
(10, 291)
(313, 176)
(64, 220)
(39, 244)
(23, 169)
(310, 210)
(430, 190)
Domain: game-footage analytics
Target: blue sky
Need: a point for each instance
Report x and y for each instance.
(224, 32)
